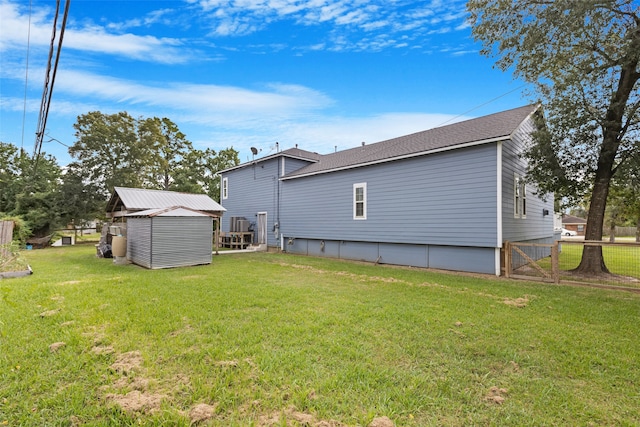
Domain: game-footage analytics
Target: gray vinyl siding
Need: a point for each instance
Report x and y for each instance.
(291, 165)
(535, 225)
(253, 189)
(164, 242)
(447, 198)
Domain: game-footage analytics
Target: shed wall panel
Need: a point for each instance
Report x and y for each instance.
(139, 241)
(181, 241)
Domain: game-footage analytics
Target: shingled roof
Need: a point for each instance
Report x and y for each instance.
(294, 153)
(494, 127)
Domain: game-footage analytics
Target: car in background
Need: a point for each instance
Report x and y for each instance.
(566, 232)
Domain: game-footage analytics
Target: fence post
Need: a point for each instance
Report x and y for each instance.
(555, 262)
(507, 259)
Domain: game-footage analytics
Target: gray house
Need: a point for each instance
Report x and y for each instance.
(444, 198)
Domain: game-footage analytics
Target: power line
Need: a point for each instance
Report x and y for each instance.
(481, 105)
(26, 80)
(50, 78)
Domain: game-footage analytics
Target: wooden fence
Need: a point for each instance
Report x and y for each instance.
(6, 236)
(6, 232)
(557, 262)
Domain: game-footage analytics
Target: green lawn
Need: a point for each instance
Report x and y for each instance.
(268, 339)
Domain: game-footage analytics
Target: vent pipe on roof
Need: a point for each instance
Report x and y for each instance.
(363, 143)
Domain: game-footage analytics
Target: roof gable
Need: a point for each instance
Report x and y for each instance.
(294, 153)
(494, 127)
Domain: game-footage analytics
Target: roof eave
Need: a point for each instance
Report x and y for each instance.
(405, 156)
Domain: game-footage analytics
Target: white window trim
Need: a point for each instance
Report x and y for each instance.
(519, 203)
(225, 188)
(362, 185)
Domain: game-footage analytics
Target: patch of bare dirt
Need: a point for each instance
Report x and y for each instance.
(137, 383)
(137, 401)
(56, 346)
(496, 395)
(102, 349)
(201, 412)
(381, 422)
(68, 323)
(127, 362)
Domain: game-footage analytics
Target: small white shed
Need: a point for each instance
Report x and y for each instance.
(169, 237)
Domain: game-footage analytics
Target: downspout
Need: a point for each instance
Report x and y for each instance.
(499, 207)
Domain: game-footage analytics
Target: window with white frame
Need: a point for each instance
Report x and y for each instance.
(360, 201)
(519, 197)
(225, 188)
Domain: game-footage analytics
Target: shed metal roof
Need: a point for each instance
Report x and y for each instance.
(494, 127)
(138, 199)
(174, 211)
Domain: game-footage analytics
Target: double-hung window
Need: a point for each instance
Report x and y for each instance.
(519, 197)
(225, 188)
(360, 201)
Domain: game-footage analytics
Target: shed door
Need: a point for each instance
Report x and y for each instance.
(262, 228)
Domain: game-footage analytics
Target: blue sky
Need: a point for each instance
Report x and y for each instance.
(318, 73)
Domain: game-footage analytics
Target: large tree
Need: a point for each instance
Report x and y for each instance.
(28, 192)
(108, 150)
(582, 58)
(118, 150)
(170, 150)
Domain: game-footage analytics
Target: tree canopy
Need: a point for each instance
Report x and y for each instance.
(117, 150)
(110, 150)
(582, 58)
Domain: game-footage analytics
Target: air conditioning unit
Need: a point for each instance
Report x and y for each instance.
(242, 226)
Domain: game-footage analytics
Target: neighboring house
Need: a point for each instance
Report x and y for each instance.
(444, 198)
(574, 223)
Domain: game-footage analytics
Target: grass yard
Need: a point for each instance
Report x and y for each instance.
(277, 340)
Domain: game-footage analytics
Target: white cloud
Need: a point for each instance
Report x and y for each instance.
(15, 32)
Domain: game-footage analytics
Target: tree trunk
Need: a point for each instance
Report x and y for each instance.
(592, 261)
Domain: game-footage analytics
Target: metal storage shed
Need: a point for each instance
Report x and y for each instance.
(169, 237)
